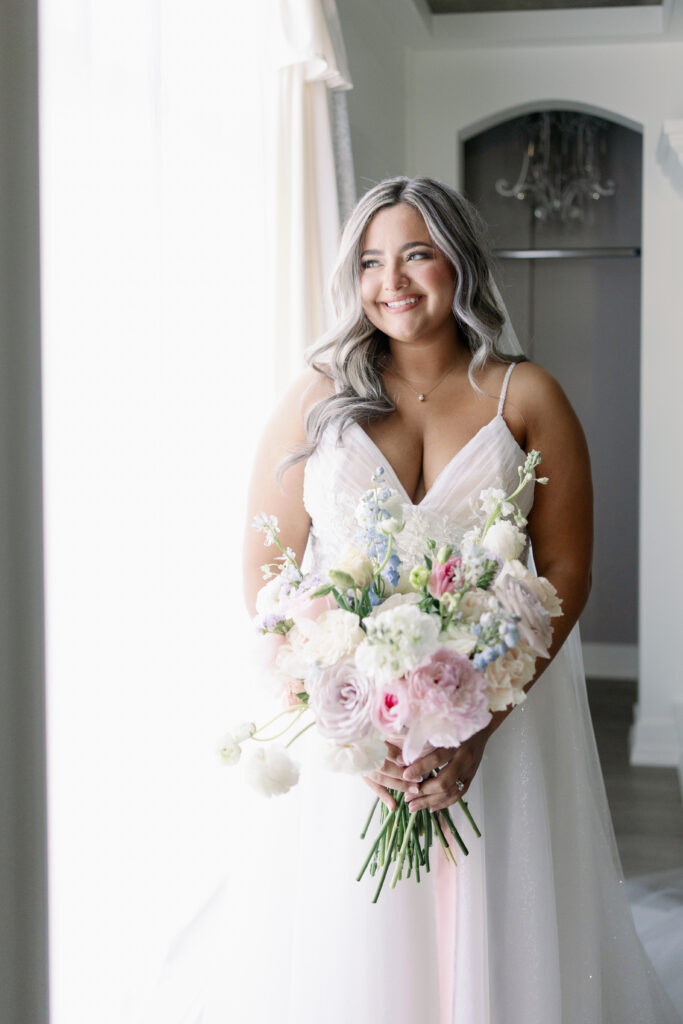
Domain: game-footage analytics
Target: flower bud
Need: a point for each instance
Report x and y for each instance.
(244, 731)
(419, 577)
(445, 553)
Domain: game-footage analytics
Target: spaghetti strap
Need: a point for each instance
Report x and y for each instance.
(503, 393)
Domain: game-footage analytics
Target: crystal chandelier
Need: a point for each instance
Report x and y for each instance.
(560, 171)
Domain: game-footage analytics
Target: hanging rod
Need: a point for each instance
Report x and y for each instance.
(566, 254)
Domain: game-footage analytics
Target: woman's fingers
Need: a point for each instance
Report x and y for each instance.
(427, 763)
(381, 791)
(442, 791)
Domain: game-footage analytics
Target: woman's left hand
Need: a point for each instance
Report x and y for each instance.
(458, 766)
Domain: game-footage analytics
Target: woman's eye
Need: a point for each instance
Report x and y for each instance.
(419, 255)
(368, 264)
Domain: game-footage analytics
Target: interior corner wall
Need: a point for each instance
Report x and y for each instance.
(377, 101)
(450, 91)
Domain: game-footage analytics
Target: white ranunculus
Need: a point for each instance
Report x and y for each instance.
(229, 750)
(505, 540)
(357, 565)
(355, 758)
(394, 506)
(390, 525)
(271, 770)
(540, 587)
(397, 640)
(273, 596)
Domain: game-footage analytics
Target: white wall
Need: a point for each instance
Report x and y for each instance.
(448, 92)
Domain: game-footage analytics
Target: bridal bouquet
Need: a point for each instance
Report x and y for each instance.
(415, 655)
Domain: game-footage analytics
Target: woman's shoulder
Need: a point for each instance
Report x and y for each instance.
(308, 388)
(535, 391)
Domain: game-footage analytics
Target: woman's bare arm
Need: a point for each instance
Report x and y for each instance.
(284, 433)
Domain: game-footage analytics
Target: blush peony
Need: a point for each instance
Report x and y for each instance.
(448, 703)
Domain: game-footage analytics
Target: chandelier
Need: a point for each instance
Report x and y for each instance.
(560, 170)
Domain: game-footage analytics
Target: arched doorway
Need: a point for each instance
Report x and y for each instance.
(573, 291)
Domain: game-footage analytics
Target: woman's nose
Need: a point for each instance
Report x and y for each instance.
(394, 275)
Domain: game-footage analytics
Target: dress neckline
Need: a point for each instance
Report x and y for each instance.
(441, 475)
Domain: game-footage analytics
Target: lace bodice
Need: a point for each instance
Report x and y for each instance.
(337, 475)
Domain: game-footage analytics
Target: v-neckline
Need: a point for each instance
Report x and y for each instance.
(385, 461)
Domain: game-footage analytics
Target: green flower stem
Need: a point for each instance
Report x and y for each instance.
(466, 812)
(390, 546)
(404, 847)
(300, 733)
(287, 711)
(390, 818)
(428, 836)
(442, 839)
(417, 867)
(392, 845)
(370, 817)
(456, 835)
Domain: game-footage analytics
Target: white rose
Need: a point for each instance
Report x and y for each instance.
(540, 587)
(505, 540)
(332, 636)
(229, 750)
(507, 676)
(356, 565)
(397, 599)
(355, 758)
(459, 639)
(271, 770)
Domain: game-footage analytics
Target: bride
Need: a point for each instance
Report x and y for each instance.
(533, 927)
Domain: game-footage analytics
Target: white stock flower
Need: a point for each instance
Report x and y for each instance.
(505, 540)
(355, 758)
(356, 565)
(229, 750)
(540, 587)
(395, 601)
(397, 640)
(271, 770)
(491, 497)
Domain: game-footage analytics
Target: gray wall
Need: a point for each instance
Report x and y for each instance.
(580, 318)
(23, 886)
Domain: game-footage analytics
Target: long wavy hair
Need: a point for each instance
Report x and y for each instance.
(353, 353)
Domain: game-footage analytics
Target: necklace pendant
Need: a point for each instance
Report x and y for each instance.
(420, 398)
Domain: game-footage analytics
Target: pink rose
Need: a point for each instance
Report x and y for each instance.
(448, 702)
(445, 577)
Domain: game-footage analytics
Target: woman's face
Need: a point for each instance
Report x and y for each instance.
(407, 284)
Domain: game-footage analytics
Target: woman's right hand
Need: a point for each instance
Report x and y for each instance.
(390, 776)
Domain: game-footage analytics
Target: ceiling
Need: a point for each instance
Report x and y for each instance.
(483, 6)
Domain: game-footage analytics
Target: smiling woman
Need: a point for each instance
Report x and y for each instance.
(534, 926)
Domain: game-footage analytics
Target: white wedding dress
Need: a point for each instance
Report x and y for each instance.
(534, 926)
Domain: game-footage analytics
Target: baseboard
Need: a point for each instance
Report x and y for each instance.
(610, 661)
(678, 718)
(655, 741)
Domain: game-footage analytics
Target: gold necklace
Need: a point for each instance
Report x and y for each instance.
(421, 395)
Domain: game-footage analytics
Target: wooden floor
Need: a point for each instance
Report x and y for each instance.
(645, 802)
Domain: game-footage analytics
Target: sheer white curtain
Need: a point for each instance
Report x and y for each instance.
(159, 368)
